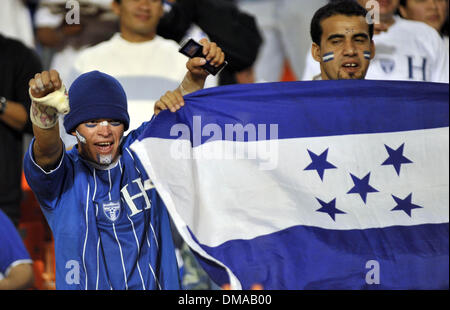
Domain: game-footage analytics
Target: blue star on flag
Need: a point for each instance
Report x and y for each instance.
(362, 187)
(405, 204)
(330, 208)
(319, 163)
(396, 158)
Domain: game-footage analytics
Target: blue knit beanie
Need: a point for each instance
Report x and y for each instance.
(96, 95)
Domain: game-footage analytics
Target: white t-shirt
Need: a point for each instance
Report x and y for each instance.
(409, 50)
(446, 43)
(146, 71)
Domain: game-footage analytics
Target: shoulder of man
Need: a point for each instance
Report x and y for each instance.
(423, 35)
(99, 47)
(87, 59)
(419, 30)
(167, 43)
(170, 49)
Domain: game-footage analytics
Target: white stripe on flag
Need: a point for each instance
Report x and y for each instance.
(239, 201)
(141, 149)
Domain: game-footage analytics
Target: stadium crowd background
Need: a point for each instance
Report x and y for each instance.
(277, 49)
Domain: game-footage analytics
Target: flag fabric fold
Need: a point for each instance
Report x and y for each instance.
(309, 185)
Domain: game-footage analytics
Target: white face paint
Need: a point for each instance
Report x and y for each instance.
(80, 137)
(104, 159)
(101, 159)
(99, 146)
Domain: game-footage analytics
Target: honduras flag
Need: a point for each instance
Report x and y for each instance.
(309, 185)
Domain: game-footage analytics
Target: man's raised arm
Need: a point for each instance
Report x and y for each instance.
(193, 80)
(49, 98)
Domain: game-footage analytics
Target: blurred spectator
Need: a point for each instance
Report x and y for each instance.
(405, 50)
(284, 25)
(432, 12)
(97, 23)
(16, 271)
(15, 21)
(17, 65)
(233, 30)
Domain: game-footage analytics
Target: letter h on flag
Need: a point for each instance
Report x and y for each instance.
(361, 175)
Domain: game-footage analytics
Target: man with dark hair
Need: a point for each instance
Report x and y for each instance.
(342, 44)
(347, 8)
(111, 227)
(137, 57)
(406, 50)
(342, 41)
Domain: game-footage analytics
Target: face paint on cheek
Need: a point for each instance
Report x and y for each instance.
(367, 54)
(328, 57)
(80, 137)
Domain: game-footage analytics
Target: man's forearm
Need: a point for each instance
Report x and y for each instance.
(14, 115)
(47, 147)
(47, 103)
(191, 84)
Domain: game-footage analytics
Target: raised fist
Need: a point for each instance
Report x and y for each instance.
(45, 83)
(47, 89)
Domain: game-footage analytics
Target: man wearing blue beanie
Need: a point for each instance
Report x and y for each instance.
(110, 226)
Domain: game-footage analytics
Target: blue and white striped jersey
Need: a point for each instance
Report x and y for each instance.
(110, 226)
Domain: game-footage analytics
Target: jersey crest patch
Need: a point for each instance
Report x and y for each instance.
(387, 65)
(111, 210)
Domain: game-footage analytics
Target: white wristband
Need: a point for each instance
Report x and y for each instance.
(44, 111)
(57, 99)
(43, 116)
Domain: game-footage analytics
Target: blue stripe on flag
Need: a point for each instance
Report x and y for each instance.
(312, 109)
(409, 257)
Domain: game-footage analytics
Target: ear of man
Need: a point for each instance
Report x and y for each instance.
(372, 49)
(315, 52)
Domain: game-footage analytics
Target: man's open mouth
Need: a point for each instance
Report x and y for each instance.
(104, 147)
(350, 67)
